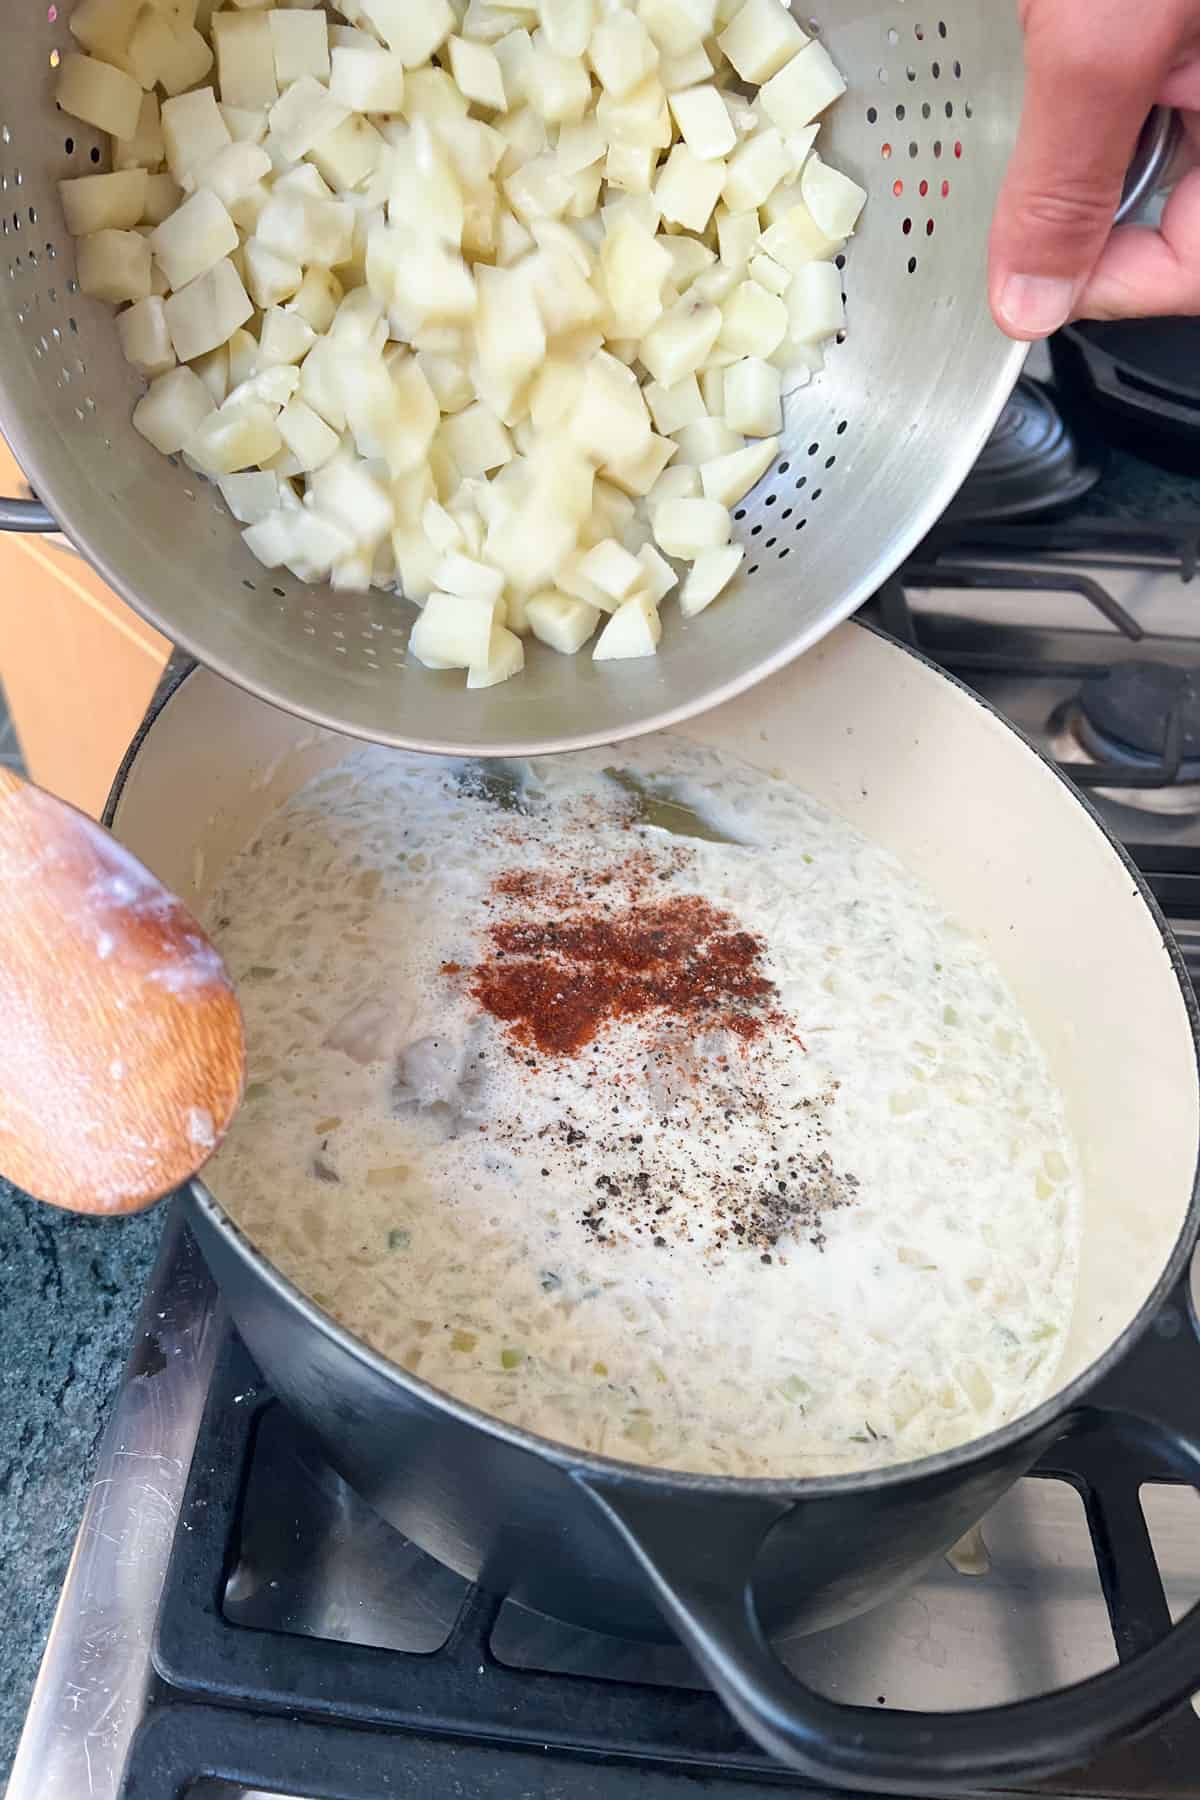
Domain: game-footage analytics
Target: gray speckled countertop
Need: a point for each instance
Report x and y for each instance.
(69, 1289)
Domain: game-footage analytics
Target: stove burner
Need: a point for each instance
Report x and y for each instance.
(1125, 715)
(1032, 464)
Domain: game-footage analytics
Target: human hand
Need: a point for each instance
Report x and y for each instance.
(1094, 70)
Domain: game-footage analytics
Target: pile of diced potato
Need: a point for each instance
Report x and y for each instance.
(492, 301)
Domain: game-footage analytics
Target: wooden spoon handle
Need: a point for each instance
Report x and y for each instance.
(122, 1052)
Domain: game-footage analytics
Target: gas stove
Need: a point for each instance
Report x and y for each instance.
(237, 1625)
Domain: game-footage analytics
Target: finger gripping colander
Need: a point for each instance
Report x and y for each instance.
(871, 452)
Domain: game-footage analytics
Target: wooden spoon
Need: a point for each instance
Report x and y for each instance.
(122, 1053)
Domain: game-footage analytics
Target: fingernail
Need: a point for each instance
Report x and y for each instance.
(1035, 305)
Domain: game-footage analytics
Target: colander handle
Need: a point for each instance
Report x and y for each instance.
(26, 515)
(894, 1752)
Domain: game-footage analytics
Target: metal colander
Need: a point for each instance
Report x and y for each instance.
(871, 453)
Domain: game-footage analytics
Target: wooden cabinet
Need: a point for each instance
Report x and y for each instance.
(77, 667)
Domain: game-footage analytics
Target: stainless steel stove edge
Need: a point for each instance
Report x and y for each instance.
(94, 1678)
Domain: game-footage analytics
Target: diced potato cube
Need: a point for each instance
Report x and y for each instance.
(709, 576)
(729, 478)
(301, 44)
(568, 25)
(814, 303)
(459, 574)
(163, 195)
(561, 621)
(631, 167)
(346, 492)
(804, 87)
(145, 149)
(707, 438)
(770, 274)
(579, 146)
(610, 567)
(145, 340)
(689, 258)
(760, 38)
(114, 266)
(270, 277)
(477, 73)
(307, 230)
(679, 482)
(105, 27)
(635, 629)
(250, 496)
(756, 167)
(307, 436)
(431, 95)
(193, 130)
(715, 284)
(834, 201)
(752, 402)
(103, 202)
(678, 27)
(688, 189)
(505, 658)
(318, 298)
(414, 29)
(681, 340)
(98, 94)
(172, 54)
(610, 421)
(685, 528)
(737, 236)
(704, 122)
(243, 357)
(658, 577)
(685, 71)
(302, 116)
(234, 172)
(367, 81)
(796, 239)
(245, 58)
(245, 124)
(208, 311)
(538, 189)
(454, 631)
(213, 370)
(173, 407)
(284, 337)
(641, 117)
(239, 435)
(671, 407)
(636, 475)
(635, 267)
(477, 440)
(194, 239)
(346, 156)
(753, 322)
(622, 53)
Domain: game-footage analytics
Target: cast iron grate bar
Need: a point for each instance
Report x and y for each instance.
(899, 621)
(1117, 543)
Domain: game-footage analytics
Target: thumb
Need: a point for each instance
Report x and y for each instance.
(1093, 70)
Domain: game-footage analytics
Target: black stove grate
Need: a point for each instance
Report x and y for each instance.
(237, 1708)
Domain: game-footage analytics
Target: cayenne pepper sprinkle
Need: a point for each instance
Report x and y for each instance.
(556, 983)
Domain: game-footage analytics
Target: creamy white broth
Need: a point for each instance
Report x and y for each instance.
(801, 1199)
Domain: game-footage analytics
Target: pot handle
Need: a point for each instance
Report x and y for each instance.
(895, 1752)
(26, 515)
